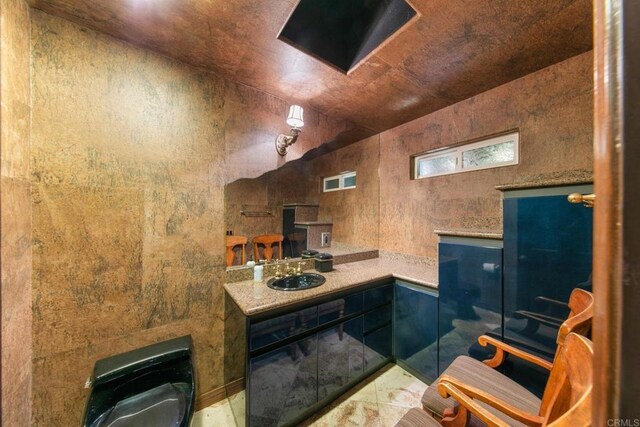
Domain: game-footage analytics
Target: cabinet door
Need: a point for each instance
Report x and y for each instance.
(470, 298)
(548, 251)
(378, 337)
(272, 330)
(283, 383)
(340, 356)
(547, 254)
(416, 329)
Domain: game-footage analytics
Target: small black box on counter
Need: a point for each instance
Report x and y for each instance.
(324, 262)
(309, 253)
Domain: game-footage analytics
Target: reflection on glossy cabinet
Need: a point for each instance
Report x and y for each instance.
(547, 253)
(470, 298)
(378, 347)
(340, 356)
(303, 359)
(416, 329)
(283, 383)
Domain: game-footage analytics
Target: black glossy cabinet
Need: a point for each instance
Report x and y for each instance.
(470, 299)
(340, 356)
(416, 330)
(302, 359)
(283, 382)
(548, 253)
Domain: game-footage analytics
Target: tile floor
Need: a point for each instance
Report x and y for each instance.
(379, 401)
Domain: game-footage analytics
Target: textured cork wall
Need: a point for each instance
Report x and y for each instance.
(130, 154)
(553, 110)
(354, 212)
(15, 208)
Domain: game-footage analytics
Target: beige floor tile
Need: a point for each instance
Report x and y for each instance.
(400, 388)
(391, 414)
(379, 401)
(216, 415)
(367, 393)
(350, 413)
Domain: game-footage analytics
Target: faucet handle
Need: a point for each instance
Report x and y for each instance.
(299, 269)
(278, 273)
(287, 268)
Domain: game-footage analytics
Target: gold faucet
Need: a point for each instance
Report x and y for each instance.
(290, 271)
(278, 273)
(299, 269)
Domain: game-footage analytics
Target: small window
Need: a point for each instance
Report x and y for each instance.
(490, 153)
(344, 181)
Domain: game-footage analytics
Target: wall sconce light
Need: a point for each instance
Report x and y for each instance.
(295, 121)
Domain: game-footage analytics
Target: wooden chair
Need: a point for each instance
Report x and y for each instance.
(232, 242)
(267, 240)
(566, 400)
(482, 376)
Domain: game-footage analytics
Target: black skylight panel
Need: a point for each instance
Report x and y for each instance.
(343, 32)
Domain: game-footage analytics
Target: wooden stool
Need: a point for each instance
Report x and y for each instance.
(267, 240)
(233, 241)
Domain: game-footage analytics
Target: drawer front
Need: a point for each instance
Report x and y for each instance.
(377, 318)
(283, 383)
(273, 330)
(340, 308)
(378, 296)
(377, 348)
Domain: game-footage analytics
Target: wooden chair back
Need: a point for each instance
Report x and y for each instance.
(568, 392)
(232, 242)
(578, 322)
(580, 316)
(267, 240)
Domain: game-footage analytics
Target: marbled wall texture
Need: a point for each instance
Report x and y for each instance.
(130, 154)
(15, 202)
(354, 213)
(553, 110)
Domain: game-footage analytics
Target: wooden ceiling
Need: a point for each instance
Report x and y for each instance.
(455, 49)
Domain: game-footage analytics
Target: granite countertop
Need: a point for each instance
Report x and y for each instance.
(313, 223)
(311, 205)
(254, 298)
(558, 179)
(466, 233)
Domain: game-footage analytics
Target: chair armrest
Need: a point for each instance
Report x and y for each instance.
(466, 403)
(502, 349)
(463, 393)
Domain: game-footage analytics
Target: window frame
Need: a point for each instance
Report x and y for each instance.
(460, 149)
(341, 178)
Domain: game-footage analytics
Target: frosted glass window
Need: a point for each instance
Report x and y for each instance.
(437, 165)
(344, 181)
(331, 184)
(491, 153)
(349, 181)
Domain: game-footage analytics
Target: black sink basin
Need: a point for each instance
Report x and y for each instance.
(296, 283)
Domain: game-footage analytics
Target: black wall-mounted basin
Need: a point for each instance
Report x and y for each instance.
(296, 283)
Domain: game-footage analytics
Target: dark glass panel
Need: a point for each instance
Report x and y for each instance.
(470, 299)
(278, 328)
(283, 383)
(340, 356)
(416, 329)
(339, 308)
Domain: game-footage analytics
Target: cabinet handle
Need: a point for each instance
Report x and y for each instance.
(586, 199)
